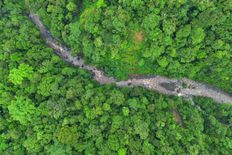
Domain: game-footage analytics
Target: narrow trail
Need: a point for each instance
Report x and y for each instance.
(183, 87)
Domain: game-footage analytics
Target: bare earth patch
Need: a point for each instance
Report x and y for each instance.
(138, 37)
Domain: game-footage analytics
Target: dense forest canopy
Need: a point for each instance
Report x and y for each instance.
(49, 107)
(178, 38)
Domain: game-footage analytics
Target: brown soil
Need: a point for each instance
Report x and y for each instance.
(138, 37)
(177, 117)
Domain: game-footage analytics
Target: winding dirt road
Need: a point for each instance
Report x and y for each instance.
(163, 85)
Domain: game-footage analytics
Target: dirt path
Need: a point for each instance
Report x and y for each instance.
(163, 85)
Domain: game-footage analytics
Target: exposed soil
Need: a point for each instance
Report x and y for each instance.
(138, 37)
(177, 117)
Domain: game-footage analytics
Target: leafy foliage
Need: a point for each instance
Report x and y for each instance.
(17, 76)
(23, 110)
(49, 107)
(175, 38)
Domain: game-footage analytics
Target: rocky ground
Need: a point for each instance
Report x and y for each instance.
(184, 87)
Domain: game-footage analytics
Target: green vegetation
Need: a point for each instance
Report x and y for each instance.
(172, 38)
(49, 107)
